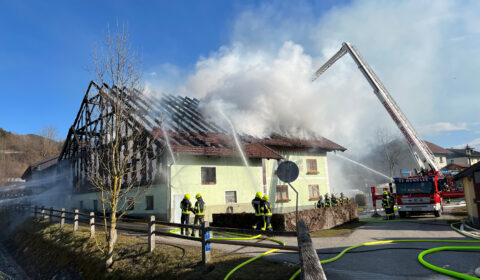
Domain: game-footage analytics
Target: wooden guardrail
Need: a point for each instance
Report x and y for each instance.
(151, 232)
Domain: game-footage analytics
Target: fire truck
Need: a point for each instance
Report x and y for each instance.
(425, 191)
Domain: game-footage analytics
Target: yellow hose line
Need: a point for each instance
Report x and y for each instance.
(249, 261)
(386, 242)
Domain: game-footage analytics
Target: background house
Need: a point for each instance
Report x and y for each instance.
(470, 179)
(190, 154)
(439, 153)
(465, 155)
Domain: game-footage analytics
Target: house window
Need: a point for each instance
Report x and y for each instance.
(149, 200)
(313, 192)
(131, 203)
(95, 205)
(282, 193)
(209, 176)
(312, 166)
(441, 159)
(81, 204)
(230, 196)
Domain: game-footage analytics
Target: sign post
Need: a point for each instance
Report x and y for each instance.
(288, 172)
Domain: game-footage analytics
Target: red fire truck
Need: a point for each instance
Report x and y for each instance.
(425, 191)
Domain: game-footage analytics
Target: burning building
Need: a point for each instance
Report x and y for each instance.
(186, 153)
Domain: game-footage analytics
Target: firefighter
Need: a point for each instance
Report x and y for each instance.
(348, 200)
(267, 212)
(334, 200)
(327, 201)
(388, 202)
(258, 206)
(186, 207)
(320, 203)
(199, 211)
(341, 200)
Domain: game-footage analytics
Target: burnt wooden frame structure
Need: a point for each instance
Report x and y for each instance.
(87, 134)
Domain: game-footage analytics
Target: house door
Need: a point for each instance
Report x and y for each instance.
(476, 188)
(177, 212)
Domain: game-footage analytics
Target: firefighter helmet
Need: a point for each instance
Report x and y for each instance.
(265, 197)
(199, 195)
(187, 196)
(326, 195)
(385, 192)
(258, 195)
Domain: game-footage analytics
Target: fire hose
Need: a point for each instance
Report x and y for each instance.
(339, 255)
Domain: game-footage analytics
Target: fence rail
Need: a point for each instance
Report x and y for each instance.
(150, 230)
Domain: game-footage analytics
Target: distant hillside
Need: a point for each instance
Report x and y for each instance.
(17, 152)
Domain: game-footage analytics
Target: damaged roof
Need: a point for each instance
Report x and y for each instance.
(189, 132)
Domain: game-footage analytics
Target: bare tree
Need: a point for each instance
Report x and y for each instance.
(49, 137)
(390, 147)
(116, 170)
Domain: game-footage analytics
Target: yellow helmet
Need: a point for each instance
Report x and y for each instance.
(385, 192)
(258, 195)
(187, 196)
(265, 197)
(198, 195)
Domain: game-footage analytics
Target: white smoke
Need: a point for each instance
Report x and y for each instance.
(425, 52)
(420, 49)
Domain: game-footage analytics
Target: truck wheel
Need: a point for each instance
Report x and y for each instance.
(436, 213)
(402, 214)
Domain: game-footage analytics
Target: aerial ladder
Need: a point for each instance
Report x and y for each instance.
(420, 151)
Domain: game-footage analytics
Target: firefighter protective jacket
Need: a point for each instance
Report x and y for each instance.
(388, 201)
(199, 208)
(186, 206)
(267, 208)
(258, 205)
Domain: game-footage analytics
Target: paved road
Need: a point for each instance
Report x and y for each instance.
(9, 270)
(393, 261)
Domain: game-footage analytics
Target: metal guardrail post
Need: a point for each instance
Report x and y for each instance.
(35, 212)
(75, 221)
(151, 234)
(92, 224)
(62, 219)
(50, 216)
(205, 245)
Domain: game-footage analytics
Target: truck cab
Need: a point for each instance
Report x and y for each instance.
(418, 195)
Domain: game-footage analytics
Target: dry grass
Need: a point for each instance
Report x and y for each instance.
(45, 250)
(340, 230)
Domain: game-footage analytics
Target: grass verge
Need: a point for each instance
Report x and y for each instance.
(46, 251)
(340, 230)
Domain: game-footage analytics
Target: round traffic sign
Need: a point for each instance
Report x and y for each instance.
(287, 171)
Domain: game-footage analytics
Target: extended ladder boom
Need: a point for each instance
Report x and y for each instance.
(422, 154)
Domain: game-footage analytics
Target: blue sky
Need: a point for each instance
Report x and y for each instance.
(427, 55)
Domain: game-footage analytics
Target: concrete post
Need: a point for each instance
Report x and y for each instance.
(92, 224)
(309, 262)
(75, 221)
(62, 219)
(205, 245)
(50, 216)
(35, 211)
(43, 212)
(151, 234)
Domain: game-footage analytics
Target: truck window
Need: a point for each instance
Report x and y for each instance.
(415, 187)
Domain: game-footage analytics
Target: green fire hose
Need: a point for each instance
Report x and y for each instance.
(420, 256)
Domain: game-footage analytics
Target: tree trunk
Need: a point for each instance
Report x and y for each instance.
(111, 239)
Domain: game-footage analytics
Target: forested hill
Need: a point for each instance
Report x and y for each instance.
(17, 152)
